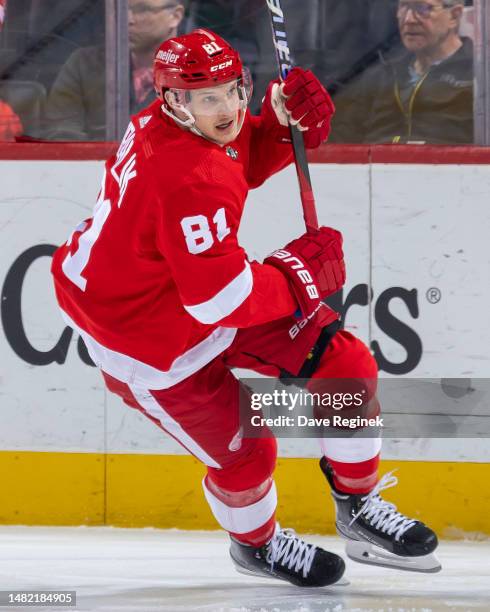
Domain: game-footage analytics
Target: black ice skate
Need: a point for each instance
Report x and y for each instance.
(377, 533)
(287, 557)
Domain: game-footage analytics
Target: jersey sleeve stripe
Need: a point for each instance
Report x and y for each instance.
(225, 301)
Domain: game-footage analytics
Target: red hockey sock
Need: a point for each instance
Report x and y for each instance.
(259, 536)
(358, 478)
(248, 501)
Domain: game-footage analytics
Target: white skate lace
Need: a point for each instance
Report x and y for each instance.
(288, 550)
(381, 514)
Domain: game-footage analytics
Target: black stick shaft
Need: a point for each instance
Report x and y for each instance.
(283, 56)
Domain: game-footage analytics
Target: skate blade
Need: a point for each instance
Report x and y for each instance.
(243, 570)
(364, 552)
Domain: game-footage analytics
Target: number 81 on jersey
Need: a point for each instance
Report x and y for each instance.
(198, 234)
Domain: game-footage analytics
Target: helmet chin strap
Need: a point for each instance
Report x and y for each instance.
(187, 123)
(190, 122)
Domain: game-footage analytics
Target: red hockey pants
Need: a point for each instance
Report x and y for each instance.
(202, 414)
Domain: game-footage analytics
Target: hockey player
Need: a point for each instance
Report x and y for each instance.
(167, 302)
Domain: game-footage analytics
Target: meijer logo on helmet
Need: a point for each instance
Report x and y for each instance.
(168, 56)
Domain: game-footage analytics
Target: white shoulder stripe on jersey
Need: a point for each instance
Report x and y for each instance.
(134, 372)
(225, 301)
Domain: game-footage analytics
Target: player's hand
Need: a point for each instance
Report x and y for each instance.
(314, 264)
(302, 100)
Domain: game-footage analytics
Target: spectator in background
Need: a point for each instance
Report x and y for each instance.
(423, 96)
(76, 103)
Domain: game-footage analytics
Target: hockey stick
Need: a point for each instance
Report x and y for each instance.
(283, 56)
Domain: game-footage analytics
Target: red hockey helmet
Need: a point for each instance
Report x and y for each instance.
(193, 61)
(199, 61)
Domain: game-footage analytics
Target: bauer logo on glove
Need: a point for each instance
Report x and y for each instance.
(314, 265)
(298, 266)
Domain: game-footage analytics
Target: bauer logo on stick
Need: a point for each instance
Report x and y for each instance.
(280, 38)
(275, 7)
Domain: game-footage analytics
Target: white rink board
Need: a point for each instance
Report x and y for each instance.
(431, 229)
(410, 227)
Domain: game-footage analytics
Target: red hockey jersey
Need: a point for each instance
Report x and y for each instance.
(156, 282)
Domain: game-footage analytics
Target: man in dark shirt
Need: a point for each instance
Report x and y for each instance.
(423, 96)
(76, 104)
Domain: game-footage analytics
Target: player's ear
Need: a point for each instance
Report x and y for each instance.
(170, 99)
(456, 15)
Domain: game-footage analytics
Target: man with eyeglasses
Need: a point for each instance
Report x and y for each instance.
(425, 95)
(76, 104)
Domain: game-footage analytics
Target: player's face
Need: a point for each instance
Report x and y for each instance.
(217, 111)
(151, 21)
(424, 26)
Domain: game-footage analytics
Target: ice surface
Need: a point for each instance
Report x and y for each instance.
(145, 570)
